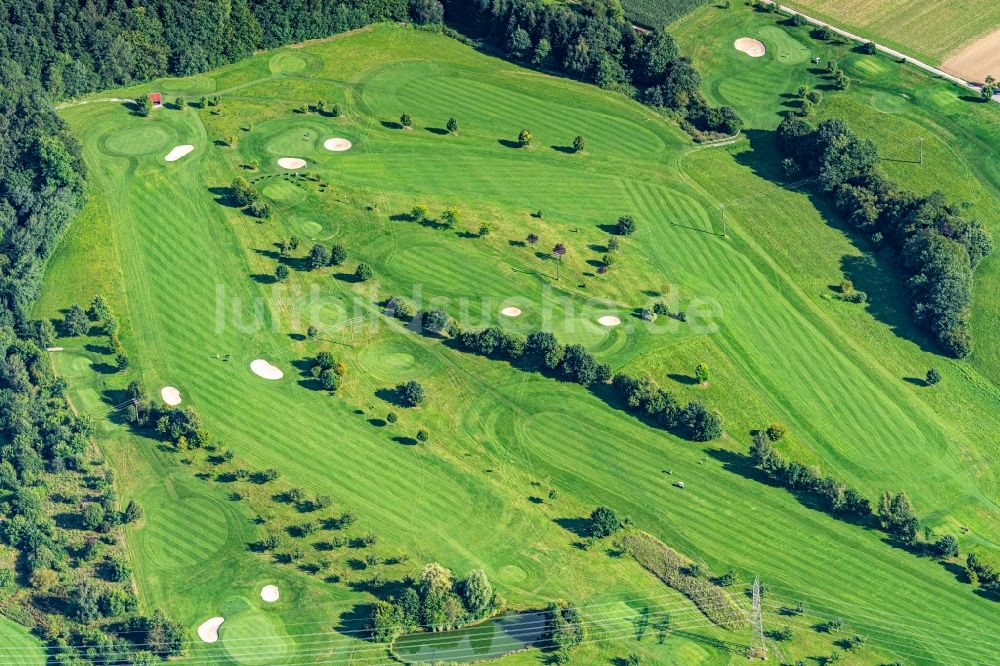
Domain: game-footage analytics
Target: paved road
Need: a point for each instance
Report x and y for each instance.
(885, 49)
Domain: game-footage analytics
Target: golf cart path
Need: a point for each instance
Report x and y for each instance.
(884, 49)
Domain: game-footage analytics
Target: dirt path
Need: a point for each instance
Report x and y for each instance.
(120, 100)
(884, 49)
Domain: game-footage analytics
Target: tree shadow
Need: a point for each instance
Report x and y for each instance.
(263, 278)
(405, 441)
(609, 229)
(568, 150)
(507, 143)
(916, 381)
(391, 124)
(686, 380)
(224, 196)
(378, 423)
(391, 396)
(440, 131)
(579, 527)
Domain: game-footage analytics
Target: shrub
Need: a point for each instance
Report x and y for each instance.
(625, 225)
(411, 393)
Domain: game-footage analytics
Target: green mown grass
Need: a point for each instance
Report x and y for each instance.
(18, 647)
(182, 270)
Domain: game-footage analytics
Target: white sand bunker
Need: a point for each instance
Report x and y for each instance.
(209, 629)
(178, 152)
(262, 368)
(511, 312)
(337, 145)
(752, 47)
(609, 320)
(269, 593)
(170, 395)
(291, 163)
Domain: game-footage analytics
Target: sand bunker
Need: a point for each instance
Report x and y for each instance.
(209, 629)
(170, 395)
(269, 593)
(53, 349)
(178, 152)
(291, 163)
(262, 368)
(609, 320)
(337, 145)
(511, 312)
(752, 47)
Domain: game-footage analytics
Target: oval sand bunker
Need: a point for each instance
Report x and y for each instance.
(609, 320)
(209, 629)
(291, 163)
(270, 593)
(170, 395)
(178, 152)
(752, 47)
(337, 145)
(511, 312)
(262, 368)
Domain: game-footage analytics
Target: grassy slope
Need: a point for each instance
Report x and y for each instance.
(17, 646)
(782, 351)
(929, 31)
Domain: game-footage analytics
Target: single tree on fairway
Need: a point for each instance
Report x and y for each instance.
(701, 373)
(363, 272)
(990, 88)
(411, 393)
(391, 418)
(625, 225)
(406, 120)
(336, 110)
(338, 254)
(452, 124)
(231, 140)
(180, 103)
(76, 322)
(311, 332)
(604, 522)
(933, 377)
(419, 213)
(451, 217)
(145, 105)
(578, 144)
(524, 138)
(319, 256)
(281, 273)
(422, 436)
(558, 251)
(532, 239)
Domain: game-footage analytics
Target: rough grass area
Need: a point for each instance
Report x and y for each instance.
(671, 567)
(658, 13)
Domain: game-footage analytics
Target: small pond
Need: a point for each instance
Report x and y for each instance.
(488, 640)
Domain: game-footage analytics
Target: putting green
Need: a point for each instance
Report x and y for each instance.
(888, 102)
(868, 68)
(784, 48)
(394, 361)
(287, 62)
(141, 140)
(295, 142)
(283, 191)
(252, 638)
(186, 532)
(307, 228)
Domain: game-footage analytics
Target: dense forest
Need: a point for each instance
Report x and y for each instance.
(936, 247)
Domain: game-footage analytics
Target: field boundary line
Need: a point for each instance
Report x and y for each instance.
(884, 49)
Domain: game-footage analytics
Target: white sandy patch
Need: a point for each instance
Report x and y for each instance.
(270, 593)
(178, 152)
(511, 312)
(609, 320)
(262, 368)
(337, 145)
(752, 47)
(170, 395)
(53, 349)
(209, 629)
(291, 163)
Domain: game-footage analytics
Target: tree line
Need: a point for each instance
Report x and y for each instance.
(592, 41)
(541, 351)
(933, 243)
(894, 514)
